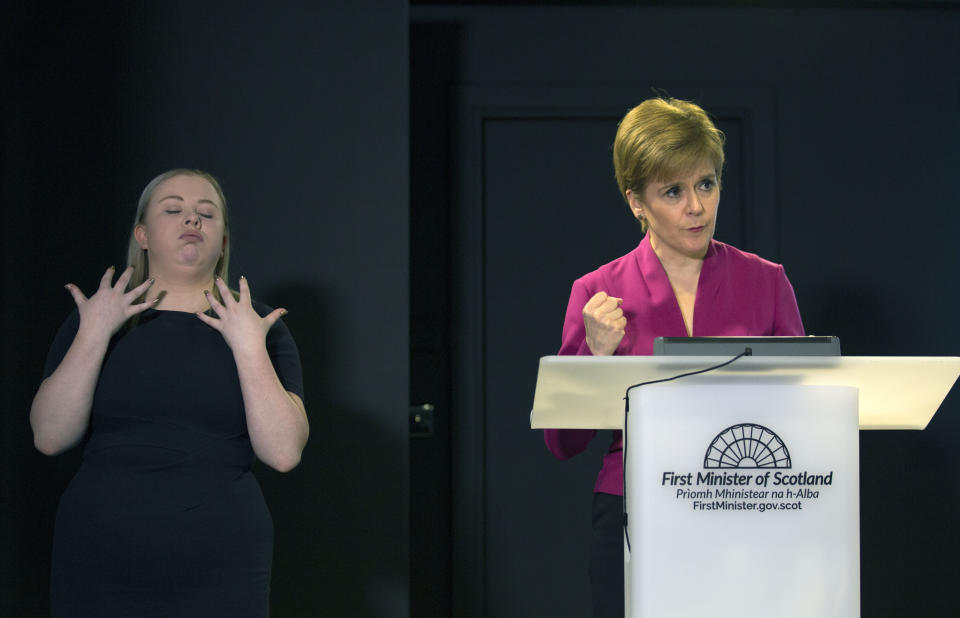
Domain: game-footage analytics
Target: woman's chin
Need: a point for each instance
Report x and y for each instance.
(190, 266)
(698, 249)
(191, 257)
(189, 254)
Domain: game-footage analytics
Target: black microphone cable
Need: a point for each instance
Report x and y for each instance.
(626, 413)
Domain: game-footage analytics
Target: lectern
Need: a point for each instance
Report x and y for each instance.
(742, 484)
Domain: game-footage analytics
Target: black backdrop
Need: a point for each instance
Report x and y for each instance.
(301, 111)
(97, 99)
(847, 114)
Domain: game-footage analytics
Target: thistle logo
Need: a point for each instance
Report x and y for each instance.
(747, 446)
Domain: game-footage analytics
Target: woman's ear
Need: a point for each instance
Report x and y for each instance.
(140, 233)
(636, 206)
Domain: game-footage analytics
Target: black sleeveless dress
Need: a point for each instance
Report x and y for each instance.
(164, 517)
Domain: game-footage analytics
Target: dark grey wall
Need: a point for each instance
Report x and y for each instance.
(864, 107)
(301, 111)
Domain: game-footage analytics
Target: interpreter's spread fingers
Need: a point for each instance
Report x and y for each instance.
(138, 291)
(124, 279)
(78, 296)
(107, 279)
(245, 291)
(271, 318)
(141, 307)
(224, 292)
(214, 303)
(209, 321)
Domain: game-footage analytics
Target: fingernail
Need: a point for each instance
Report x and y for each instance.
(242, 277)
(206, 292)
(284, 312)
(155, 300)
(219, 279)
(152, 281)
(67, 287)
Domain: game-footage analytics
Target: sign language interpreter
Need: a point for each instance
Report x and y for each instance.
(174, 385)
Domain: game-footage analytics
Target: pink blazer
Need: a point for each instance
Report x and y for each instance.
(738, 293)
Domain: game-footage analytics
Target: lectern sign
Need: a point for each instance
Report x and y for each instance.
(740, 487)
(706, 540)
(747, 445)
(747, 467)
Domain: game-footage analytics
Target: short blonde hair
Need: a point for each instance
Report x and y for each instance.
(663, 137)
(137, 256)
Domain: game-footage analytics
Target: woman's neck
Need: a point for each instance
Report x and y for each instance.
(682, 270)
(180, 294)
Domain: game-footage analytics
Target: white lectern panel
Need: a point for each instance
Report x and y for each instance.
(895, 392)
(743, 501)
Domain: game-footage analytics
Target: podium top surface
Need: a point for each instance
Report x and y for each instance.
(896, 392)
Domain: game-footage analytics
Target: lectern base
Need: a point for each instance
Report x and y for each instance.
(743, 500)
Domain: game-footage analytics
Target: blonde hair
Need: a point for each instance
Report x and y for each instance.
(137, 256)
(661, 138)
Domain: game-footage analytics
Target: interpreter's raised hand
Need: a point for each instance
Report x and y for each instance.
(241, 326)
(605, 323)
(104, 313)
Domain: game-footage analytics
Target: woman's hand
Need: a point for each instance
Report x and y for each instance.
(104, 313)
(605, 323)
(60, 412)
(276, 419)
(242, 328)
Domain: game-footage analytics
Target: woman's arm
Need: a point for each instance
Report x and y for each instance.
(594, 324)
(276, 419)
(61, 408)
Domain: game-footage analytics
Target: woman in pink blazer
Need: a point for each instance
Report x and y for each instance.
(668, 158)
